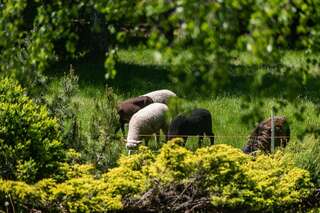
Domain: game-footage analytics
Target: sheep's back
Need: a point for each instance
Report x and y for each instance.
(147, 120)
(140, 101)
(260, 138)
(160, 96)
(200, 120)
(178, 126)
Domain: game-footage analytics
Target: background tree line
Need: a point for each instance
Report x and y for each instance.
(194, 38)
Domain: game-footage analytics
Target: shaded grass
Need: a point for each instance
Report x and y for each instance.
(139, 73)
(133, 79)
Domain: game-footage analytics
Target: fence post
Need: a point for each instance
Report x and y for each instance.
(272, 129)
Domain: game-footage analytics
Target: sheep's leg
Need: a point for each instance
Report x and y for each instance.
(211, 137)
(165, 131)
(146, 140)
(122, 129)
(118, 127)
(158, 136)
(116, 130)
(185, 140)
(200, 140)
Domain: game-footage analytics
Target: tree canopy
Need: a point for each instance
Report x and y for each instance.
(195, 38)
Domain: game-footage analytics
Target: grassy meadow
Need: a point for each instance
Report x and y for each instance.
(139, 73)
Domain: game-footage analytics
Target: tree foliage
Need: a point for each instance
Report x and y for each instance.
(194, 37)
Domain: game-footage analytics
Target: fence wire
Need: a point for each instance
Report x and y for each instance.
(216, 136)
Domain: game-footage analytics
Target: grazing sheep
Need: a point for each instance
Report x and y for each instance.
(128, 107)
(199, 122)
(160, 96)
(260, 138)
(145, 122)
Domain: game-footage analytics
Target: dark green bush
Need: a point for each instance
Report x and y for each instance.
(98, 144)
(103, 147)
(66, 110)
(29, 138)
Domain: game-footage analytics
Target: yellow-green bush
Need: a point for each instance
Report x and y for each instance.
(233, 179)
(29, 138)
(81, 193)
(221, 174)
(130, 177)
(174, 163)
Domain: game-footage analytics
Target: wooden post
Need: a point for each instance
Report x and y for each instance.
(272, 130)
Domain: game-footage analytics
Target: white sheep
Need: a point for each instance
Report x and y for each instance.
(145, 122)
(160, 96)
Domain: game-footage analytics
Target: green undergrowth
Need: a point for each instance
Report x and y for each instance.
(304, 154)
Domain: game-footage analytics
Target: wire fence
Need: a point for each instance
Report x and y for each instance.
(211, 136)
(131, 151)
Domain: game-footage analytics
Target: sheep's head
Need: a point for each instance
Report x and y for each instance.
(132, 144)
(126, 111)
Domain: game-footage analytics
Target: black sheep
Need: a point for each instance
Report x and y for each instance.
(260, 138)
(127, 108)
(199, 123)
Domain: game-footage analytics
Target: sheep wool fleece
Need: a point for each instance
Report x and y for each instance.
(146, 121)
(160, 96)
